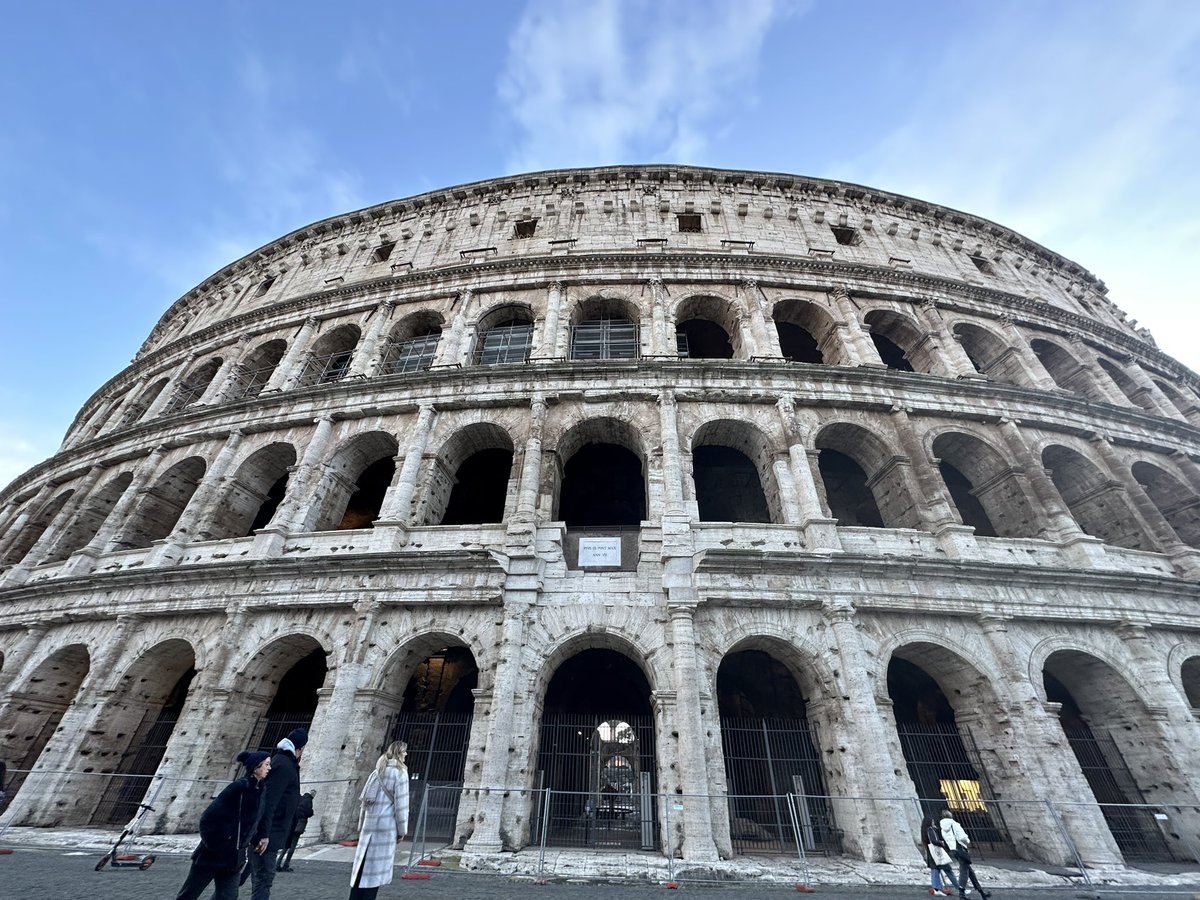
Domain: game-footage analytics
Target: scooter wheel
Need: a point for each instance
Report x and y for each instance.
(103, 862)
(146, 863)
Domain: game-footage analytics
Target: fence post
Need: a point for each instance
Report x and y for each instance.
(541, 876)
(1062, 830)
(668, 838)
(792, 800)
(419, 832)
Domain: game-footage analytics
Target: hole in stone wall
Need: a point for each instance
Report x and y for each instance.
(728, 488)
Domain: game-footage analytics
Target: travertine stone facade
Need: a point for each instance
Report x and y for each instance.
(867, 436)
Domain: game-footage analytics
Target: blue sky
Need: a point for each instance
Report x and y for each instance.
(143, 145)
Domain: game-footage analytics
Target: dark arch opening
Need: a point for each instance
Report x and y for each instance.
(270, 504)
(480, 488)
(702, 339)
(603, 486)
(1190, 675)
(728, 488)
(797, 343)
(295, 700)
(891, 353)
(970, 510)
(850, 499)
(365, 503)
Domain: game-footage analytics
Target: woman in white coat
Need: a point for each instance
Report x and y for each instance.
(382, 823)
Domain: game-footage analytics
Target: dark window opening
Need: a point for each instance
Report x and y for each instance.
(442, 683)
(970, 510)
(267, 511)
(265, 286)
(847, 237)
(982, 264)
(598, 681)
(850, 499)
(890, 353)
(728, 488)
(689, 223)
(295, 700)
(508, 342)
(480, 488)
(603, 487)
(702, 339)
(367, 500)
(384, 251)
(525, 228)
(413, 355)
(605, 339)
(797, 344)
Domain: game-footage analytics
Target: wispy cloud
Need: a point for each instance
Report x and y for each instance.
(19, 453)
(607, 80)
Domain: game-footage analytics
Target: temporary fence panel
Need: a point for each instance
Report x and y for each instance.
(437, 757)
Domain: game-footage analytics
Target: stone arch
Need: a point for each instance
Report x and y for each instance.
(156, 514)
(602, 480)
(1098, 504)
(257, 489)
(412, 343)
(279, 689)
(469, 481)
(329, 359)
(504, 334)
(1176, 399)
(990, 354)
(255, 371)
(984, 486)
(706, 327)
(1127, 385)
(35, 528)
(136, 410)
(31, 718)
(861, 479)
(356, 480)
(1068, 372)
(192, 387)
(604, 327)
(808, 333)
(732, 473)
(90, 517)
(1178, 505)
(1189, 676)
(900, 341)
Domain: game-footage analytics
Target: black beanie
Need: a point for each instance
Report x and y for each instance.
(252, 759)
(299, 738)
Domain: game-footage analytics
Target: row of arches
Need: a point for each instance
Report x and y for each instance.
(835, 332)
(597, 474)
(599, 731)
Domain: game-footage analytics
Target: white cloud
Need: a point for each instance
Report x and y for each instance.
(18, 454)
(606, 80)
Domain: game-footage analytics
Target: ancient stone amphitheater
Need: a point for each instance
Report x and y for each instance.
(659, 508)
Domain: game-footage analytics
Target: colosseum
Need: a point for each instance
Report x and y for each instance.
(661, 508)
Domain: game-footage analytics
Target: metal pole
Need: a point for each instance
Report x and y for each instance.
(792, 800)
(419, 834)
(1070, 843)
(545, 830)
(669, 842)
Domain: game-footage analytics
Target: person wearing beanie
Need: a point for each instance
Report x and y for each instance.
(227, 827)
(281, 798)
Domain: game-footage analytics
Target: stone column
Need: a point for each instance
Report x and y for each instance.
(1096, 376)
(952, 356)
(199, 507)
(289, 516)
(934, 505)
(1030, 365)
(820, 531)
(672, 464)
(1147, 390)
(117, 413)
(766, 339)
(1148, 516)
(170, 389)
(289, 369)
(16, 660)
(366, 358)
(450, 351)
(44, 544)
(789, 503)
(395, 514)
(659, 345)
(549, 345)
(858, 345)
(531, 468)
(215, 392)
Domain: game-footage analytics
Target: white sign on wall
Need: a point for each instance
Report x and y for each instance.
(599, 551)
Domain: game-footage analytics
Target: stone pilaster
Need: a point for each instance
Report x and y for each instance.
(287, 373)
(203, 504)
(367, 359)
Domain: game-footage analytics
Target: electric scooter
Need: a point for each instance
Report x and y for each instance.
(128, 860)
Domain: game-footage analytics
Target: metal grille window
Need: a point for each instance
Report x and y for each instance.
(413, 355)
(605, 339)
(248, 383)
(326, 369)
(184, 397)
(508, 343)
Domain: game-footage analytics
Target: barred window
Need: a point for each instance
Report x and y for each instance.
(508, 342)
(605, 339)
(326, 369)
(414, 355)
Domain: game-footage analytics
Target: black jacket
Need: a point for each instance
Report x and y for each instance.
(282, 790)
(304, 812)
(228, 823)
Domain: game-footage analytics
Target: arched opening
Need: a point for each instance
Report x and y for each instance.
(255, 493)
(1067, 371)
(1126, 384)
(1118, 749)
(1178, 505)
(901, 344)
(138, 723)
(330, 358)
(134, 411)
(356, 483)
(985, 489)
(604, 328)
(32, 715)
(1189, 673)
(603, 481)
(731, 464)
(35, 528)
(861, 481)
(365, 504)
(253, 374)
(192, 388)
(770, 750)
(1177, 400)
(706, 328)
(412, 345)
(469, 481)
(156, 515)
(596, 753)
(505, 335)
(806, 333)
(294, 703)
(90, 518)
(990, 354)
(847, 492)
(1097, 503)
(942, 756)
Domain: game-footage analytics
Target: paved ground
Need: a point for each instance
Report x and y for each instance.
(58, 874)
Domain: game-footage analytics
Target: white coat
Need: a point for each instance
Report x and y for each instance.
(382, 821)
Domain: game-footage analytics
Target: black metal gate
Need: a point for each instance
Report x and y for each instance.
(766, 759)
(600, 774)
(437, 758)
(1134, 828)
(126, 789)
(944, 764)
(273, 727)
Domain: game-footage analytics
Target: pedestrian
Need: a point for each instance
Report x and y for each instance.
(937, 857)
(3, 779)
(958, 844)
(281, 798)
(227, 828)
(304, 812)
(382, 823)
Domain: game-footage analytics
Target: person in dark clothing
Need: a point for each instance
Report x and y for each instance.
(282, 798)
(304, 812)
(227, 827)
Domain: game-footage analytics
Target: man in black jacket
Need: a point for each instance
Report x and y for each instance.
(281, 797)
